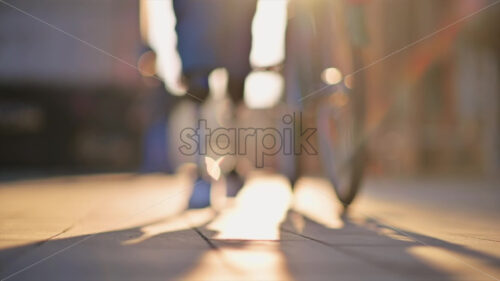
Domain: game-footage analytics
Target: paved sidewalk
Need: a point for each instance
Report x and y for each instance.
(129, 227)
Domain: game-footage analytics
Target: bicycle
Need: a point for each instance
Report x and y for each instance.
(339, 104)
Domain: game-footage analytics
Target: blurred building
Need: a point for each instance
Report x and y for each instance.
(443, 93)
(67, 82)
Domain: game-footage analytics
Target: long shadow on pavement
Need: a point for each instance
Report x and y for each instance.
(367, 250)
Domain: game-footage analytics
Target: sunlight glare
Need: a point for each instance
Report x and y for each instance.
(213, 167)
(268, 33)
(263, 89)
(259, 209)
(331, 76)
(245, 262)
(315, 199)
(163, 39)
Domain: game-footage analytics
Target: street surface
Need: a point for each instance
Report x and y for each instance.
(134, 227)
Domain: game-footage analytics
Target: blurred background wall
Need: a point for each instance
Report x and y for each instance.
(63, 101)
(440, 97)
(433, 108)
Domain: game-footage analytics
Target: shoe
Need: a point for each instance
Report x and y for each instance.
(200, 197)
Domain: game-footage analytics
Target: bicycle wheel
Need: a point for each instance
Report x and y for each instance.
(341, 142)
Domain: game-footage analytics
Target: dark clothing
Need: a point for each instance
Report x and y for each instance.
(213, 34)
(157, 104)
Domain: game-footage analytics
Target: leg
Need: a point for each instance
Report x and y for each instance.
(197, 85)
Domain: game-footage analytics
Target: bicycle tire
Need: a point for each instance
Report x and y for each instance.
(345, 184)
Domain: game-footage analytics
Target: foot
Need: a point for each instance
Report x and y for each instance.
(200, 197)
